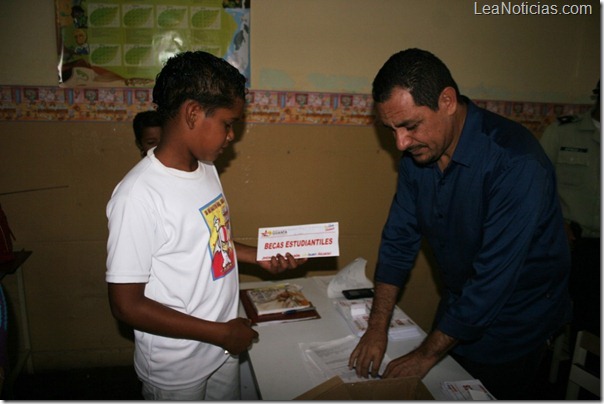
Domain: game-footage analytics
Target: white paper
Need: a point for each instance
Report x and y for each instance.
(478, 395)
(329, 359)
(352, 276)
(467, 390)
(358, 309)
(303, 241)
(401, 325)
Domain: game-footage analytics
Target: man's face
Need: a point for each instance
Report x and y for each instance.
(421, 132)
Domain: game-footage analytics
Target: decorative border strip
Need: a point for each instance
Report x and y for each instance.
(29, 103)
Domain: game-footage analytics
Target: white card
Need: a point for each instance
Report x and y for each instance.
(303, 241)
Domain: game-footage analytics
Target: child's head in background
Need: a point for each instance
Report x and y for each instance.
(147, 130)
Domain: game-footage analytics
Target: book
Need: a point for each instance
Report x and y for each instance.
(356, 313)
(307, 313)
(279, 298)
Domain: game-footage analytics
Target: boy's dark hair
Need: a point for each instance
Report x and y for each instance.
(420, 72)
(198, 76)
(144, 120)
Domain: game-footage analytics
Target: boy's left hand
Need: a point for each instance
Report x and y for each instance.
(279, 263)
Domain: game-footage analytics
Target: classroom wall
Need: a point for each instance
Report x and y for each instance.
(275, 174)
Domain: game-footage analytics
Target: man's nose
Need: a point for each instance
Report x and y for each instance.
(402, 138)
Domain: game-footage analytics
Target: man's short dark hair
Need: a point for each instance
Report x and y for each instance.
(198, 76)
(420, 72)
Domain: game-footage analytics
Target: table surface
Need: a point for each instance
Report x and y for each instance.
(276, 358)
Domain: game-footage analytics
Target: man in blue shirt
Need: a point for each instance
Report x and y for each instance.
(479, 188)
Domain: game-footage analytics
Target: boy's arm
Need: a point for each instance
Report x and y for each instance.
(130, 305)
(277, 264)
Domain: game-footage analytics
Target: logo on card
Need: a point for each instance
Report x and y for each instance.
(330, 227)
(270, 233)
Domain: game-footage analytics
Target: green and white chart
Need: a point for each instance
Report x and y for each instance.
(126, 42)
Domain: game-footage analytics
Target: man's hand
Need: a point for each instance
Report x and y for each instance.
(412, 364)
(419, 361)
(367, 357)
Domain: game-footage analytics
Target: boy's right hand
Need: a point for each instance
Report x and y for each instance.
(240, 335)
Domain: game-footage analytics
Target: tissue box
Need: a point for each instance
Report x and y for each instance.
(402, 388)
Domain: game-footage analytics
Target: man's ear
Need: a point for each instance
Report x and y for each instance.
(448, 100)
(193, 112)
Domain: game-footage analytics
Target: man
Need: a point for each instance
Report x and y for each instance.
(482, 192)
(573, 145)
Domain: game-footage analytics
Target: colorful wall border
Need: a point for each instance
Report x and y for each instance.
(30, 103)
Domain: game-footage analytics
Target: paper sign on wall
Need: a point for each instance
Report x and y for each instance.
(125, 43)
(302, 241)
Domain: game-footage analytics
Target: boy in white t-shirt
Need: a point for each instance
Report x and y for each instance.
(172, 263)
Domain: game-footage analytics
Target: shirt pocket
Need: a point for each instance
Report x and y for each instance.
(572, 165)
(573, 156)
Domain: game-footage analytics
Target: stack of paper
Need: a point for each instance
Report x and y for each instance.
(324, 360)
(356, 313)
(466, 390)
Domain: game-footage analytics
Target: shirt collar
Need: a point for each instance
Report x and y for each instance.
(466, 151)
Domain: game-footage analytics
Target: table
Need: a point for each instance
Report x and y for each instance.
(14, 267)
(276, 361)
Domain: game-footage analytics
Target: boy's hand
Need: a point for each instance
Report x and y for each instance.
(280, 263)
(240, 335)
(275, 265)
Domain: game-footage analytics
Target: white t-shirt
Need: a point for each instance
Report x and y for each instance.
(171, 230)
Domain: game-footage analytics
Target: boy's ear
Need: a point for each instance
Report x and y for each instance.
(192, 111)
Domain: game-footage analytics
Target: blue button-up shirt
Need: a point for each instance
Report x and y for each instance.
(494, 224)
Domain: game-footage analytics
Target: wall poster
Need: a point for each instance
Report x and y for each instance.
(124, 43)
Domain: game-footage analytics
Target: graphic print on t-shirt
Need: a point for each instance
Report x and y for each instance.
(216, 216)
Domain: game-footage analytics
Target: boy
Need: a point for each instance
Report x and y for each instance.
(172, 263)
(147, 130)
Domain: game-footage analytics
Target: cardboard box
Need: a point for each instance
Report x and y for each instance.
(402, 388)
